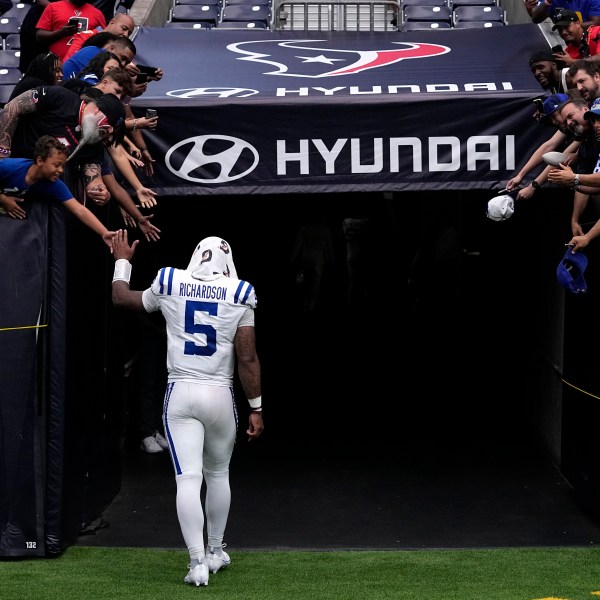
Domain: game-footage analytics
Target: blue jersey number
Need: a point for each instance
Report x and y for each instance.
(191, 308)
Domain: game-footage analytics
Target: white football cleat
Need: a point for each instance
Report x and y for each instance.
(197, 576)
(216, 560)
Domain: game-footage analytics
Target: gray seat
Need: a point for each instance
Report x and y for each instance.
(13, 41)
(10, 58)
(477, 24)
(10, 75)
(264, 2)
(425, 25)
(457, 3)
(242, 25)
(199, 13)
(477, 13)
(8, 26)
(18, 11)
(5, 92)
(424, 3)
(187, 25)
(426, 13)
(247, 13)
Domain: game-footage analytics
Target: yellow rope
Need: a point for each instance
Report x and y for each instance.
(580, 390)
(23, 327)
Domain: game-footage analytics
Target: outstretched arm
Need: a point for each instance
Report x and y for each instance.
(88, 218)
(122, 163)
(9, 119)
(536, 158)
(150, 231)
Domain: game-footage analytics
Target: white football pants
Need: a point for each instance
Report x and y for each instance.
(200, 425)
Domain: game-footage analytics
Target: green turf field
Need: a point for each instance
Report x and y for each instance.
(144, 574)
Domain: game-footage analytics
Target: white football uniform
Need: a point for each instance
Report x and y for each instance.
(202, 318)
(203, 308)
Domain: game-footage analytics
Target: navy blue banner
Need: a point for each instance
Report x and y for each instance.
(276, 112)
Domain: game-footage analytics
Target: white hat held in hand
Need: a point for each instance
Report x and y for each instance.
(501, 208)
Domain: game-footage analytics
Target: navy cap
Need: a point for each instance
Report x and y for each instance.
(570, 271)
(551, 104)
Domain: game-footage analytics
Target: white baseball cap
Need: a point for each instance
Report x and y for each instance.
(501, 208)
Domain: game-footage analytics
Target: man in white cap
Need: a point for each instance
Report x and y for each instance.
(209, 315)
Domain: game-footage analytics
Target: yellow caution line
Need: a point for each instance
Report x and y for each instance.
(23, 327)
(580, 390)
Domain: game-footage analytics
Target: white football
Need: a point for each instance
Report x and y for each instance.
(554, 158)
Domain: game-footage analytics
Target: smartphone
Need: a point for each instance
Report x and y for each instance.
(79, 21)
(141, 78)
(150, 71)
(150, 113)
(558, 49)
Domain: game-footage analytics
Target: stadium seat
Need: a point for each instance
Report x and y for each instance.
(217, 2)
(10, 75)
(187, 25)
(13, 41)
(198, 13)
(404, 3)
(8, 25)
(477, 24)
(5, 92)
(247, 13)
(264, 2)
(426, 13)
(456, 3)
(477, 13)
(242, 25)
(18, 11)
(10, 58)
(425, 25)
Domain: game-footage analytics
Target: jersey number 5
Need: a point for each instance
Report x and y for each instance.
(191, 308)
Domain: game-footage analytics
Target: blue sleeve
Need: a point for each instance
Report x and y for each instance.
(54, 190)
(594, 8)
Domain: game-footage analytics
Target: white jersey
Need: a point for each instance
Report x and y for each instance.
(202, 318)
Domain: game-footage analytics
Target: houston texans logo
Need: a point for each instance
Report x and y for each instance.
(308, 61)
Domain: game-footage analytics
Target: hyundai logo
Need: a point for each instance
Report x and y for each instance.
(217, 92)
(211, 159)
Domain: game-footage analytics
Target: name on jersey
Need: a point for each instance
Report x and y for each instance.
(198, 290)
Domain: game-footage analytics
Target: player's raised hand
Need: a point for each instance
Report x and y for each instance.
(121, 247)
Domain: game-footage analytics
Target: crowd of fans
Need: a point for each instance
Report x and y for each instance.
(570, 75)
(68, 134)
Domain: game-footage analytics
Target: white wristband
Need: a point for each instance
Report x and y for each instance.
(122, 270)
(255, 402)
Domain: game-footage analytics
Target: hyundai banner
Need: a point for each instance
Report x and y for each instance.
(274, 112)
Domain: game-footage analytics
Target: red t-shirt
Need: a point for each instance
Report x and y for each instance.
(593, 38)
(56, 15)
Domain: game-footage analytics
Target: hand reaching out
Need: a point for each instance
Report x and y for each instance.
(150, 231)
(146, 197)
(11, 207)
(108, 238)
(127, 218)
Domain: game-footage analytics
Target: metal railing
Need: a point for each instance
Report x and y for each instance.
(304, 15)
